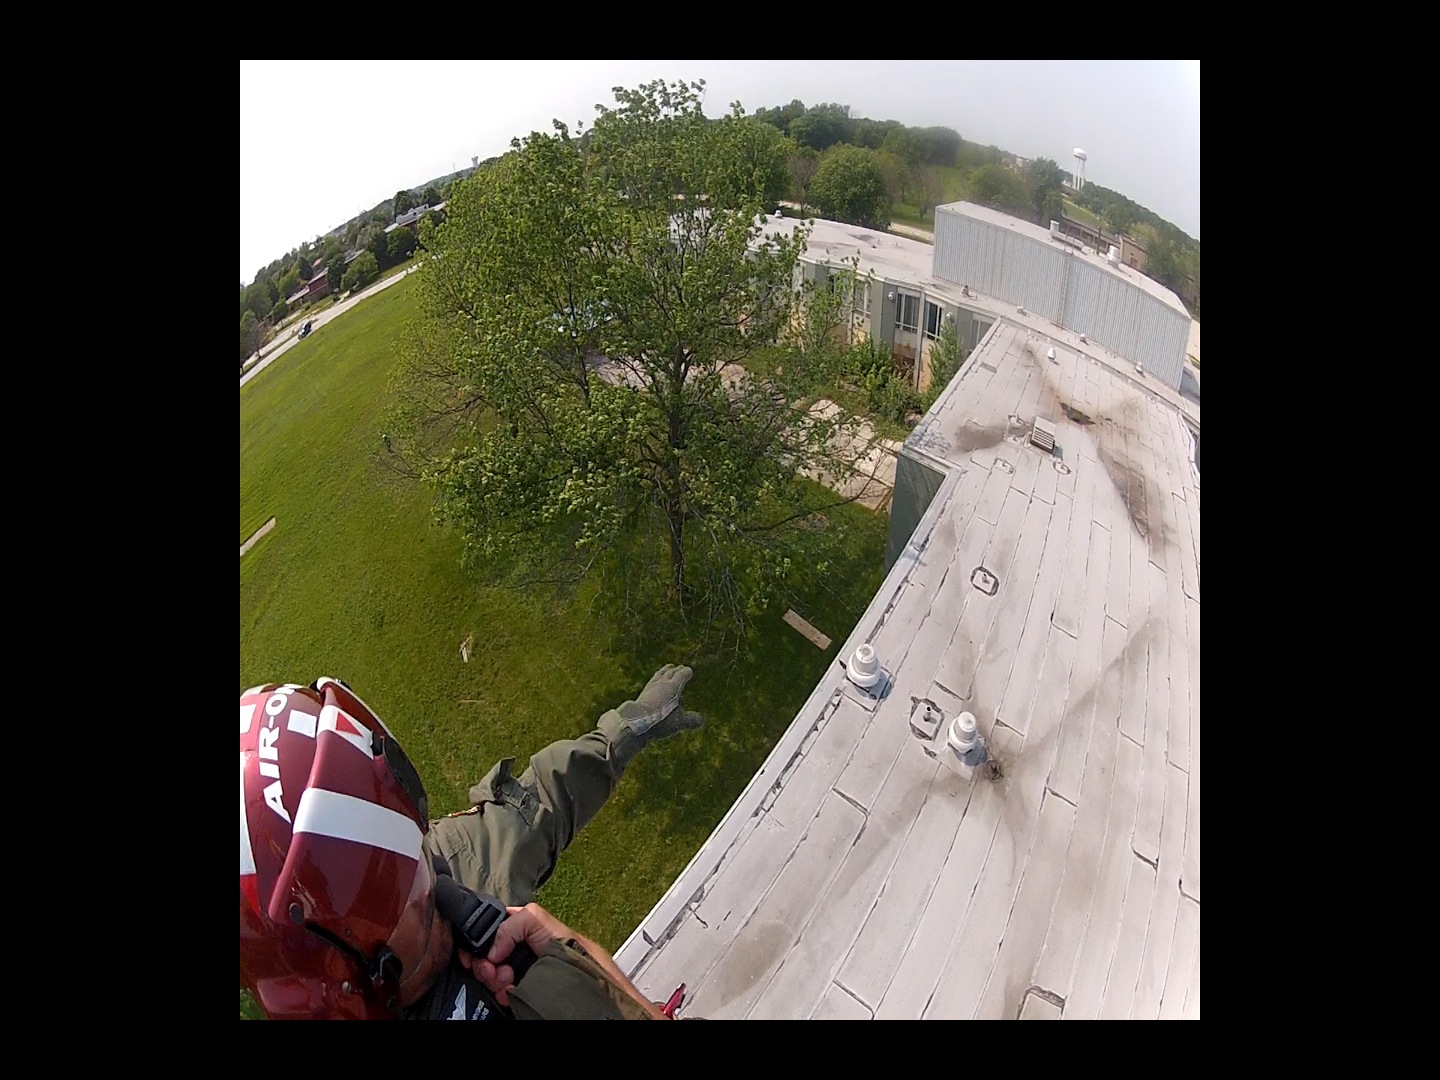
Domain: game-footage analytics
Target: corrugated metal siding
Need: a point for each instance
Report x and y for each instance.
(1048, 280)
(1035, 272)
(1082, 299)
(1117, 330)
(970, 252)
(1164, 335)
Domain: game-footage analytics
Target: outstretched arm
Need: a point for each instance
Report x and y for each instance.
(536, 927)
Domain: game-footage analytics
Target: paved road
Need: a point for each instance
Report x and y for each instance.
(291, 335)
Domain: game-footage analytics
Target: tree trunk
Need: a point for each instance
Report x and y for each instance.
(674, 489)
(677, 553)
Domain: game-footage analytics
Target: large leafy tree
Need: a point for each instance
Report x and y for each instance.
(378, 245)
(258, 297)
(850, 186)
(1045, 178)
(939, 145)
(822, 126)
(362, 271)
(587, 312)
(782, 116)
(400, 245)
(904, 143)
(761, 158)
(288, 284)
(997, 187)
(249, 334)
(872, 133)
(335, 272)
(1118, 216)
(803, 165)
(929, 189)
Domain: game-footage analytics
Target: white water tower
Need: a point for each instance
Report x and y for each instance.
(1080, 158)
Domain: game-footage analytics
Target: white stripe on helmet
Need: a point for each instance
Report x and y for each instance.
(247, 853)
(344, 817)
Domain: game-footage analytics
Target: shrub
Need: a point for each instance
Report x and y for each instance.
(888, 394)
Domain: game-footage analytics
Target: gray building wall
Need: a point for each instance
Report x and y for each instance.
(971, 326)
(882, 315)
(915, 486)
(1049, 280)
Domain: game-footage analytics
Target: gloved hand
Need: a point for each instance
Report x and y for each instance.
(657, 713)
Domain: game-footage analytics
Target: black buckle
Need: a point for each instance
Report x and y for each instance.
(474, 916)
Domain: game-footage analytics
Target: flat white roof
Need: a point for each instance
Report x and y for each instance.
(889, 257)
(863, 873)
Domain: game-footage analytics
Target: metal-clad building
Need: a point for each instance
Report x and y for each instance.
(1118, 307)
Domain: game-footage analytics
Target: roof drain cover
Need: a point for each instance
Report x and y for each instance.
(1042, 434)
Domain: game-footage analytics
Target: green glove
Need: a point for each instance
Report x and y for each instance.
(657, 713)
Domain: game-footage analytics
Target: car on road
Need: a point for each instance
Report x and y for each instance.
(305, 330)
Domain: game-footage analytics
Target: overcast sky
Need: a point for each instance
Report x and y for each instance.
(321, 141)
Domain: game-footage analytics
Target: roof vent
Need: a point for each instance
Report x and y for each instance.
(1042, 434)
(864, 667)
(1113, 256)
(1051, 355)
(965, 742)
(1055, 230)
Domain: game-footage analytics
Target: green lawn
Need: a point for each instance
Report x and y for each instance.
(901, 214)
(955, 182)
(398, 268)
(1075, 212)
(355, 581)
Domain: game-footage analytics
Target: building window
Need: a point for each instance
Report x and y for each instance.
(907, 312)
(932, 320)
(861, 300)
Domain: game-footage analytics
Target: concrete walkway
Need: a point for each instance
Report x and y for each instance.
(873, 458)
(255, 537)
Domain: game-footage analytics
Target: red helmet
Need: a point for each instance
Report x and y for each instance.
(332, 815)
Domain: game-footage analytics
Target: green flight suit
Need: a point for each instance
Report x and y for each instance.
(507, 843)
